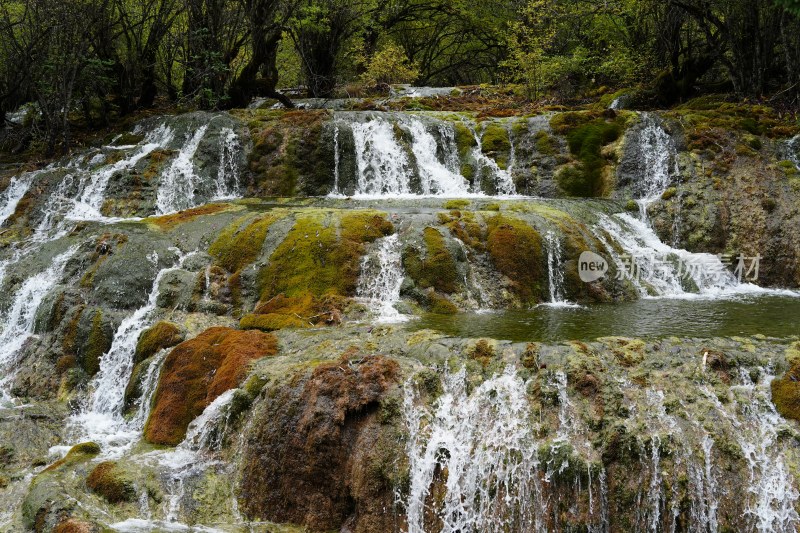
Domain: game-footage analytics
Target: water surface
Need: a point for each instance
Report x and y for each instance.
(773, 316)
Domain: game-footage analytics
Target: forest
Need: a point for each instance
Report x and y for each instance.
(89, 62)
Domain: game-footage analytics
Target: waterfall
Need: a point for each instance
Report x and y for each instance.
(485, 442)
(18, 320)
(383, 167)
(772, 491)
(381, 278)
(658, 154)
(227, 182)
(504, 183)
(93, 187)
(176, 189)
(555, 270)
(794, 150)
(149, 385)
(336, 159)
(661, 270)
(13, 194)
(435, 176)
(101, 419)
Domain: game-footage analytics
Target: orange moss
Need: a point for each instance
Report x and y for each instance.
(71, 525)
(516, 251)
(169, 222)
(196, 372)
(107, 481)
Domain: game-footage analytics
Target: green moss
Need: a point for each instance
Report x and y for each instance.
(545, 144)
(456, 204)
(436, 267)
(440, 304)
(465, 139)
(669, 193)
(321, 254)
(156, 338)
(112, 483)
(586, 143)
(631, 206)
(516, 251)
(495, 138)
(786, 393)
(77, 454)
(272, 322)
(465, 226)
(628, 352)
(240, 243)
(97, 344)
(494, 206)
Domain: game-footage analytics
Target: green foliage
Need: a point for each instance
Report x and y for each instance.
(389, 65)
(586, 143)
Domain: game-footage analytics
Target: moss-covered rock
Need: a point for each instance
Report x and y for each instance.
(111, 482)
(786, 393)
(436, 267)
(516, 251)
(321, 254)
(196, 372)
(158, 337)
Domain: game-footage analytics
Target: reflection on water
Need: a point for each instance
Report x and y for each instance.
(773, 316)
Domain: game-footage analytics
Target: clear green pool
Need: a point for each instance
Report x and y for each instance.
(773, 316)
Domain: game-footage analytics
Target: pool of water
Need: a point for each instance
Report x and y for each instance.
(773, 316)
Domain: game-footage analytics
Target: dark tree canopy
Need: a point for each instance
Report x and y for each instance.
(98, 60)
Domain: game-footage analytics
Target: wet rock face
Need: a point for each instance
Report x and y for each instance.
(196, 372)
(321, 448)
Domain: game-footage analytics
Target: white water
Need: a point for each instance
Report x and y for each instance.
(336, 158)
(101, 420)
(386, 167)
(658, 153)
(381, 278)
(192, 458)
(176, 189)
(504, 183)
(16, 189)
(382, 164)
(485, 442)
(772, 490)
(435, 177)
(93, 187)
(555, 271)
(227, 182)
(18, 321)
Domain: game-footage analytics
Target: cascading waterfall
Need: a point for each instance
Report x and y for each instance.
(18, 321)
(503, 179)
(382, 164)
(665, 271)
(191, 458)
(435, 176)
(336, 160)
(176, 190)
(555, 269)
(484, 441)
(658, 153)
(93, 187)
(381, 278)
(477, 462)
(773, 494)
(427, 164)
(13, 194)
(102, 419)
(227, 182)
